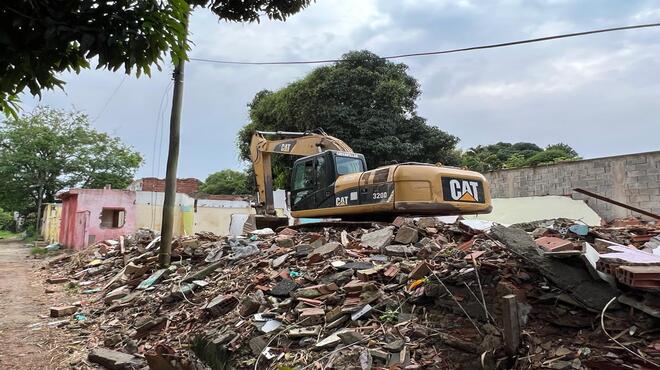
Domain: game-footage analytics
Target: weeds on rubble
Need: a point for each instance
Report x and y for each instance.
(449, 252)
(389, 316)
(71, 287)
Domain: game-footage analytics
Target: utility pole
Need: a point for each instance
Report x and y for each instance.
(167, 224)
(39, 205)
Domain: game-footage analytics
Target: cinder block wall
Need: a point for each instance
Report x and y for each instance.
(632, 179)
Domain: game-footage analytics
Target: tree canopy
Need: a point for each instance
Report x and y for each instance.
(48, 150)
(226, 182)
(493, 157)
(40, 39)
(365, 100)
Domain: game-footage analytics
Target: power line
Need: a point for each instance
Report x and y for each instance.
(107, 102)
(449, 51)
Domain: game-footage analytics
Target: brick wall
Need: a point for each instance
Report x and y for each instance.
(186, 186)
(632, 179)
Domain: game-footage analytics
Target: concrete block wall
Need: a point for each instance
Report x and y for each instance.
(632, 179)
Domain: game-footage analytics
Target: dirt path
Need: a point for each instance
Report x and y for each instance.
(22, 303)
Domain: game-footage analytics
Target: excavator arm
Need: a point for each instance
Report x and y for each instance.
(294, 143)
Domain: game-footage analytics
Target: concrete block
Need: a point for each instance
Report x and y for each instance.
(652, 171)
(640, 198)
(635, 160)
(114, 360)
(636, 173)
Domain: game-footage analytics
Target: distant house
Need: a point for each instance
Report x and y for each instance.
(89, 215)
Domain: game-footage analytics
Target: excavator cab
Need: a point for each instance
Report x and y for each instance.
(313, 178)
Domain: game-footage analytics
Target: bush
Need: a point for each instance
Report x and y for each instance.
(6, 220)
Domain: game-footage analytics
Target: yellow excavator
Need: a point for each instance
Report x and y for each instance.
(331, 181)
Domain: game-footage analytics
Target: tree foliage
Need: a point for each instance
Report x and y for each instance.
(493, 157)
(365, 100)
(226, 182)
(6, 220)
(40, 39)
(49, 150)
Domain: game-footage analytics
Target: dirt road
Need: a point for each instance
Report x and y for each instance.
(22, 301)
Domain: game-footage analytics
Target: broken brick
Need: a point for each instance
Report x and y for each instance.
(553, 244)
(421, 270)
(311, 316)
(221, 305)
(57, 280)
(60, 311)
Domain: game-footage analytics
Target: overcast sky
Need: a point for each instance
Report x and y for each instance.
(600, 94)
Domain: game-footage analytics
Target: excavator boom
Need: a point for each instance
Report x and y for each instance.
(295, 143)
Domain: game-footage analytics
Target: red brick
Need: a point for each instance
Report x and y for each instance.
(421, 270)
(466, 246)
(186, 186)
(639, 276)
(354, 286)
(391, 271)
(553, 244)
(313, 302)
(475, 255)
(311, 316)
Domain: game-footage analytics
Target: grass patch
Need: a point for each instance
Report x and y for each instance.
(4, 234)
(38, 251)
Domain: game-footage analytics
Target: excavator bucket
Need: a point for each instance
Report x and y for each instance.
(255, 222)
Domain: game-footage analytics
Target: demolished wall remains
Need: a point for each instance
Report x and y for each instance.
(633, 179)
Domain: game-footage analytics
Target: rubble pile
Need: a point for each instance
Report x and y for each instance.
(420, 293)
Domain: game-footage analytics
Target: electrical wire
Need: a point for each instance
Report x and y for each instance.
(440, 52)
(107, 102)
(602, 325)
(156, 162)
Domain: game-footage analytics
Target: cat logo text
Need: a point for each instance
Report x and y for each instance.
(462, 190)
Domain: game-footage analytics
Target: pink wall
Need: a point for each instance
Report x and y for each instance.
(81, 215)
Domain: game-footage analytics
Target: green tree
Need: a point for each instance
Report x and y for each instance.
(549, 156)
(493, 157)
(365, 100)
(570, 152)
(48, 150)
(40, 39)
(226, 182)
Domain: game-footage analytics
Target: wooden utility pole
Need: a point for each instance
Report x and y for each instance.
(40, 200)
(167, 224)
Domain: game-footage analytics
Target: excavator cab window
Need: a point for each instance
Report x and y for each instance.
(304, 182)
(310, 175)
(346, 165)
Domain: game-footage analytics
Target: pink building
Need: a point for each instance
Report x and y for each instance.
(89, 215)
